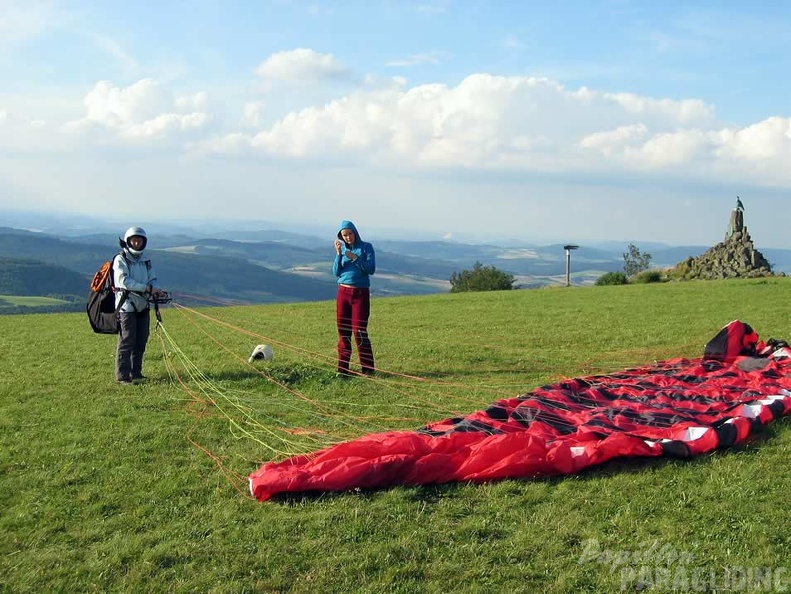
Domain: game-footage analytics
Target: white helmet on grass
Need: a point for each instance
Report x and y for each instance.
(262, 351)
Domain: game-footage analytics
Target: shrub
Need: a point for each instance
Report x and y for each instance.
(612, 278)
(681, 271)
(481, 278)
(648, 276)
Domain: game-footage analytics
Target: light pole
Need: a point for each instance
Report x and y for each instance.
(568, 249)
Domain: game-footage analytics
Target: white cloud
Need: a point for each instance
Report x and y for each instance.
(530, 124)
(766, 141)
(197, 102)
(302, 64)
(634, 146)
(686, 111)
(666, 150)
(614, 140)
(165, 124)
(759, 154)
(140, 111)
(533, 125)
(489, 124)
(117, 107)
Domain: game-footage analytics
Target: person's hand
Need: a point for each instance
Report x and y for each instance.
(338, 245)
(351, 255)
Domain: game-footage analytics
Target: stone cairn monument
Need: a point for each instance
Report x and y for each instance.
(734, 257)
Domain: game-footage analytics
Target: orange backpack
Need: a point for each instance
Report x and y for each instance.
(101, 309)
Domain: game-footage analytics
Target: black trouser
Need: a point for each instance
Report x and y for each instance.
(132, 339)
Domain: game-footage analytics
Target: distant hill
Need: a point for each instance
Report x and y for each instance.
(32, 277)
(215, 277)
(235, 279)
(259, 265)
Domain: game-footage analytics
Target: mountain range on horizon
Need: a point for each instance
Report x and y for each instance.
(76, 225)
(249, 265)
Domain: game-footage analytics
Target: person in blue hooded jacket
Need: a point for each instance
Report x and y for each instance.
(355, 262)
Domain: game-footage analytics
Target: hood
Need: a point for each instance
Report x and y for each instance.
(348, 225)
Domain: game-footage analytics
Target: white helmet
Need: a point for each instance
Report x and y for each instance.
(262, 351)
(139, 232)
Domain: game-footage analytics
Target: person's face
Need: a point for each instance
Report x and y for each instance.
(348, 236)
(136, 242)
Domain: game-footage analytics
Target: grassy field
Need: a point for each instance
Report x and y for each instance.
(108, 488)
(29, 301)
(14, 300)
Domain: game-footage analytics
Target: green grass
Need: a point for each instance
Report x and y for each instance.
(106, 488)
(29, 301)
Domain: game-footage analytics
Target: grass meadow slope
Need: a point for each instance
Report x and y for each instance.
(108, 488)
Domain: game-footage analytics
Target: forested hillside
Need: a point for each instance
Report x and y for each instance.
(32, 277)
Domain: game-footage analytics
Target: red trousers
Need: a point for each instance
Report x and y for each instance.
(352, 309)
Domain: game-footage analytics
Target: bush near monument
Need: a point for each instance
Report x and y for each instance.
(481, 278)
(612, 278)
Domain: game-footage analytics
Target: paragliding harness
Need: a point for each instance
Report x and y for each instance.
(738, 342)
(735, 339)
(101, 308)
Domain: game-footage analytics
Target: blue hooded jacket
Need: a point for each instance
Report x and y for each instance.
(358, 272)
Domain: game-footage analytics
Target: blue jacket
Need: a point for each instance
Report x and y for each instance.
(357, 273)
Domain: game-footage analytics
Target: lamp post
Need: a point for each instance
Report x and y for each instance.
(568, 249)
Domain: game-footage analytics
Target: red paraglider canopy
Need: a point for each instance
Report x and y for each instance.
(678, 408)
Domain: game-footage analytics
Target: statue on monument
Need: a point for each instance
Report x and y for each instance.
(736, 225)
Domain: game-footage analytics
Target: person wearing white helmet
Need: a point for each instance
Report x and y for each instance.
(135, 280)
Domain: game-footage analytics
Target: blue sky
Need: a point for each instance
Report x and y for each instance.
(566, 121)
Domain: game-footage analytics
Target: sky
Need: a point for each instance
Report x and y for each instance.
(574, 120)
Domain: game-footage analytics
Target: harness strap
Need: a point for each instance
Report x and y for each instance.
(125, 292)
